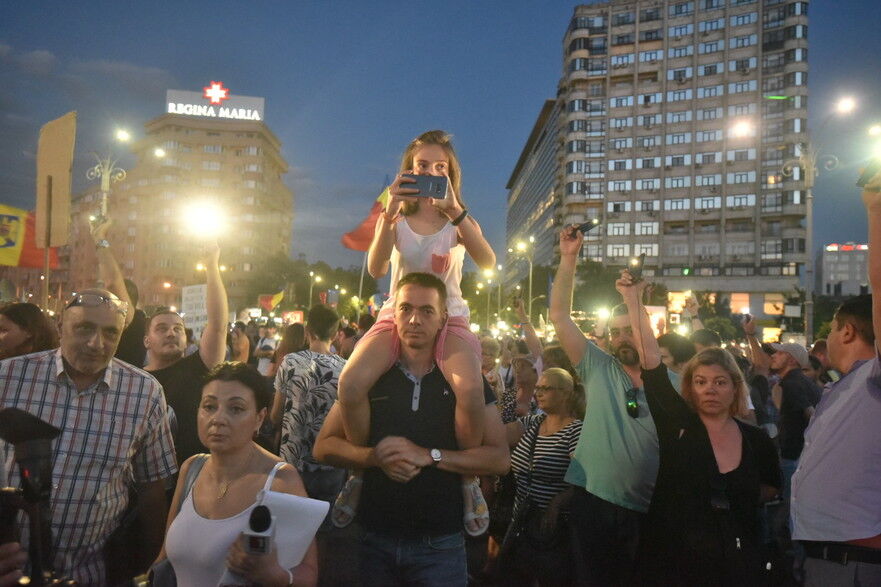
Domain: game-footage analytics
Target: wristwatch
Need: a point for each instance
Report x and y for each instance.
(102, 244)
(435, 456)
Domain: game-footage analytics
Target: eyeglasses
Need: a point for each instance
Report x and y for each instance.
(544, 388)
(632, 403)
(91, 300)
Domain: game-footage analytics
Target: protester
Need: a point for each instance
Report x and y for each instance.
(264, 350)
(365, 323)
(616, 460)
(293, 340)
(715, 471)
(131, 344)
(555, 356)
(411, 504)
(519, 400)
(240, 349)
(821, 352)
(704, 338)
(814, 371)
(345, 340)
(192, 347)
(305, 391)
(836, 497)
(24, 329)
(206, 520)
(676, 351)
(538, 548)
(115, 430)
(489, 364)
(432, 236)
(179, 374)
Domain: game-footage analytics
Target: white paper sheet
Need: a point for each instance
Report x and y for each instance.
(297, 521)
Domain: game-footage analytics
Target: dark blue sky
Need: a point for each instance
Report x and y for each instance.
(348, 84)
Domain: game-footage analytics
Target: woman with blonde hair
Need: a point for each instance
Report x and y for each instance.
(715, 470)
(425, 235)
(536, 547)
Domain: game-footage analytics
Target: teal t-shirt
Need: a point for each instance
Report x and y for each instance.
(617, 456)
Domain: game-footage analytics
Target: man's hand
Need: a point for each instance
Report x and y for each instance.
(400, 459)
(749, 325)
(260, 569)
(12, 559)
(99, 228)
(571, 240)
(872, 194)
(629, 290)
(692, 307)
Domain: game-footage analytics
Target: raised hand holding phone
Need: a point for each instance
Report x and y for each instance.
(571, 240)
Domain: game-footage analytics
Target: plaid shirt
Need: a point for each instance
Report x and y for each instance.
(112, 433)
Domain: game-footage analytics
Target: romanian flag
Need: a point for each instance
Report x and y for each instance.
(360, 238)
(18, 242)
(269, 301)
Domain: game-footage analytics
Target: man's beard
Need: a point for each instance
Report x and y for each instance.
(626, 353)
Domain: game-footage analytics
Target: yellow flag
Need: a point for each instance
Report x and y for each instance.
(12, 228)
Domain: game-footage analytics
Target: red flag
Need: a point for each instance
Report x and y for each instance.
(360, 238)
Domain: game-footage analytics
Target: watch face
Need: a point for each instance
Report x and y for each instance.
(435, 454)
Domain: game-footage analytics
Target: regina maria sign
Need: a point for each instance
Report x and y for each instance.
(214, 101)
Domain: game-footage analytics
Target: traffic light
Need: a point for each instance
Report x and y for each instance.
(686, 271)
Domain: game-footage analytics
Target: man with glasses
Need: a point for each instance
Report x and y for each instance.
(616, 460)
(114, 428)
(180, 375)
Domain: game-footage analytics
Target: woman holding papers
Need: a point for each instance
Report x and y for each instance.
(216, 493)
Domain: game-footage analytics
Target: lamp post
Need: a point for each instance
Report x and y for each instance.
(107, 171)
(809, 159)
(526, 251)
(313, 279)
(499, 307)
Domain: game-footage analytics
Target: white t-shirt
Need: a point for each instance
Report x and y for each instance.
(263, 364)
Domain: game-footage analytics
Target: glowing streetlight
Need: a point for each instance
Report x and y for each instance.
(200, 266)
(204, 219)
(159, 152)
(313, 279)
(846, 105)
(343, 292)
(603, 313)
(122, 135)
(166, 284)
(527, 251)
(875, 130)
(741, 129)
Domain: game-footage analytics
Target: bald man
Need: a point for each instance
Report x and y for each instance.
(113, 418)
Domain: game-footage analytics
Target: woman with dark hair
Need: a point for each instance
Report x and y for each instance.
(24, 329)
(203, 536)
(715, 471)
(293, 340)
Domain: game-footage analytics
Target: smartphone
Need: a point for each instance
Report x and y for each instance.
(635, 267)
(429, 186)
(588, 226)
(871, 170)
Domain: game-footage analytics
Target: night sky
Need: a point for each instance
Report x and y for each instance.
(348, 84)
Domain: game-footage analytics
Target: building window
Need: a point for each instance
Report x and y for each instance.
(677, 204)
(645, 228)
(212, 148)
(619, 229)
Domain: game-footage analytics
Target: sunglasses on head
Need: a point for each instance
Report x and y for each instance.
(631, 402)
(92, 300)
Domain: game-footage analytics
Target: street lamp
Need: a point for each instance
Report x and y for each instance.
(107, 171)
(526, 250)
(807, 158)
(313, 279)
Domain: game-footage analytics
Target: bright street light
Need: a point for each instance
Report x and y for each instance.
(166, 284)
(741, 129)
(159, 152)
(846, 105)
(204, 219)
(875, 130)
(313, 279)
(123, 135)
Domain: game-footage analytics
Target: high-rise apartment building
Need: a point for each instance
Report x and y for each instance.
(675, 119)
(198, 151)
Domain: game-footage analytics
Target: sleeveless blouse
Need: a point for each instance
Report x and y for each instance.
(439, 254)
(197, 547)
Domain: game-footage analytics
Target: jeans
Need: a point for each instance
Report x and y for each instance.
(423, 560)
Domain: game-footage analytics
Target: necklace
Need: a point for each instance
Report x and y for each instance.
(224, 488)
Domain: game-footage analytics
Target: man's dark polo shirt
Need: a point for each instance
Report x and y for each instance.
(182, 383)
(799, 393)
(430, 503)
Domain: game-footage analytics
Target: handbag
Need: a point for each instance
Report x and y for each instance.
(521, 506)
(161, 573)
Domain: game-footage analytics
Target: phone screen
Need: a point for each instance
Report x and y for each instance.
(870, 172)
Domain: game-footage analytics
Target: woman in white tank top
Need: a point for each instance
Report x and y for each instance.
(205, 523)
(426, 235)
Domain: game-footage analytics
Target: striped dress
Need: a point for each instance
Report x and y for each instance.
(550, 460)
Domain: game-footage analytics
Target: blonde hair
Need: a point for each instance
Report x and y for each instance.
(491, 345)
(454, 170)
(722, 358)
(573, 389)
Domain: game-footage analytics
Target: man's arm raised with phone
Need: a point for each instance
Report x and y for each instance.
(213, 344)
(571, 338)
(872, 201)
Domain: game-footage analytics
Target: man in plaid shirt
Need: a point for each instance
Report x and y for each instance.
(114, 429)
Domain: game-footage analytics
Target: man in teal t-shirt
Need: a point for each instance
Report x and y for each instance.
(616, 461)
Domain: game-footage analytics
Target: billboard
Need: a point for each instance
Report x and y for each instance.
(214, 101)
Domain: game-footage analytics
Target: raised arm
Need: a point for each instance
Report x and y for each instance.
(467, 230)
(213, 345)
(571, 338)
(109, 275)
(760, 359)
(692, 308)
(383, 243)
(533, 343)
(640, 322)
(872, 201)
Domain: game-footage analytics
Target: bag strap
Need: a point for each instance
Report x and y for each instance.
(193, 472)
(532, 442)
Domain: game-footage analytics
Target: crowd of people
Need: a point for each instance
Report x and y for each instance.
(607, 458)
